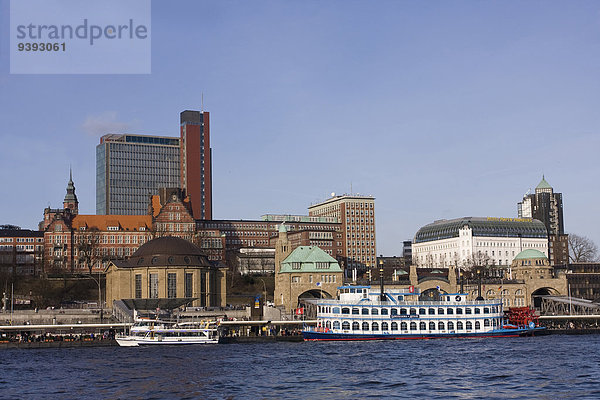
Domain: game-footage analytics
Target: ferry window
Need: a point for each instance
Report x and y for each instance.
(365, 326)
(422, 311)
(413, 311)
(495, 309)
(394, 311)
(345, 310)
(365, 311)
(486, 322)
(403, 326)
(477, 310)
(468, 310)
(384, 326)
(403, 311)
(459, 325)
(384, 311)
(374, 311)
(336, 324)
(394, 326)
(355, 326)
(477, 325)
(440, 311)
(486, 310)
(375, 326)
(336, 310)
(413, 326)
(400, 298)
(469, 325)
(422, 326)
(328, 324)
(459, 310)
(450, 325)
(431, 311)
(352, 290)
(355, 311)
(441, 326)
(345, 325)
(450, 311)
(432, 326)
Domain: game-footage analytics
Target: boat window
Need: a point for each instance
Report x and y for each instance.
(495, 309)
(345, 325)
(328, 324)
(384, 326)
(459, 325)
(422, 311)
(365, 311)
(450, 311)
(486, 322)
(413, 311)
(403, 311)
(365, 326)
(355, 311)
(345, 310)
(422, 325)
(486, 310)
(432, 326)
(336, 310)
(394, 326)
(441, 326)
(477, 325)
(375, 326)
(394, 311)
(352, 290)
(413, 326)
(336, 324)
(468, 310)
(384, 311)
(355, 326)
(477, 310)
(374, 311)
(431, 311)
(459, 310)
(403, 326)
(469, 325)
(400, 298)
(440, 311)
(450, 325)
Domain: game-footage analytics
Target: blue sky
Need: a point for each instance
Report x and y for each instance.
(438, 109)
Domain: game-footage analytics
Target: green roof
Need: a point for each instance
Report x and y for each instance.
(543, 184)
(530, 254)
(308, 257)
(282, 228)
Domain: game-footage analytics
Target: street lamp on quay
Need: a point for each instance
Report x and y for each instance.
(479, 271)
(382, 294)
(99, 295)
(264, 289)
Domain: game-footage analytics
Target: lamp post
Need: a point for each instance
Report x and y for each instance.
(382, 295)
(99, 296)
(479, 273)
(264, 289)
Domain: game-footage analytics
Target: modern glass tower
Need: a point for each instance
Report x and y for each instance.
(130, 168)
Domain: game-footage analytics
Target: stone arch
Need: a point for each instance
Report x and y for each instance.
(315, 294)
(432, 294)
(536, 294)
(433, 284)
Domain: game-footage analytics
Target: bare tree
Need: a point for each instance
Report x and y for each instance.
(88, 248)
(581, 249)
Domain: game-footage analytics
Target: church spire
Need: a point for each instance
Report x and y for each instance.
(70, 200)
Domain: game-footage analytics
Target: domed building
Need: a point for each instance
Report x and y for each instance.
(169, 269)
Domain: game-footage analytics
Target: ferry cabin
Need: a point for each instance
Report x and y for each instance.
(360, 310)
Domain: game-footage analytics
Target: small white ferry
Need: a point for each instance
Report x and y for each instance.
(361, 313)
(148, 331)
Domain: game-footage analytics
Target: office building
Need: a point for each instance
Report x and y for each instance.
(196, 156)
(547, 206)
(356, 213)
(131, 168)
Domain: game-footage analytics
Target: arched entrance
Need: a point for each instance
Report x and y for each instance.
(432, 294)
(315, 294)
(536, 296)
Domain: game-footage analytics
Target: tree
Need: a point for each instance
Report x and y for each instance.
(581, 249)
(88, 248)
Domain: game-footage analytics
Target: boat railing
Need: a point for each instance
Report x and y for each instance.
(412, 303)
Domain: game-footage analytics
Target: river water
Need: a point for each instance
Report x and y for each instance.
(548, 367)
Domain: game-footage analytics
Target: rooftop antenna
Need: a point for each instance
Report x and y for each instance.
(350, 188)
(202, 102)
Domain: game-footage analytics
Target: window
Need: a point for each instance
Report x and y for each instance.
(384, 311)
(432, 326)
(138, 286)
(171, 285)
(374, 311)
(486, 310)
(384, 326)
(394, 311)
(403, 326)
(394, 326)
(153, 286)
(403, 311)
(431, 311)
(469, 325)
(441, 326)
(189, 281)
(459, 310)
(296, 265)
(468, 310)
(477, 325)
(477, 310)
(365, 326)
(375, 326)
(450, 311)
(486, 322)
(345, 310)
(440, 311)
(336, 324)
(413, 326)
(459, 325)
(355, 326)
(365, 311)
(422, 325)
(355, 311)
(346, 325)
(336, 310)
(450, 325)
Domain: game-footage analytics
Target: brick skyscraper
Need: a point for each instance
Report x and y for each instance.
(196, 162)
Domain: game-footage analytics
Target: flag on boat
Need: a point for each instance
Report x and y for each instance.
(300, 311)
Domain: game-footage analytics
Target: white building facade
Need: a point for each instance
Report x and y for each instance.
(468, 241)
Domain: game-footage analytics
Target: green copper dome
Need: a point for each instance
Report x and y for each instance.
(530, 254)
(543, 184)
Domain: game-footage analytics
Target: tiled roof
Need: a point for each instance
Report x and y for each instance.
(308, 256)
(102, 222)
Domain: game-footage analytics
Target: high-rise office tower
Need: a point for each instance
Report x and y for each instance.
(356, 213)
(196, 161)
(130, 168)
(547, 206)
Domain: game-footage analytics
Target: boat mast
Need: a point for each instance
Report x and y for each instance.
(382, 295)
